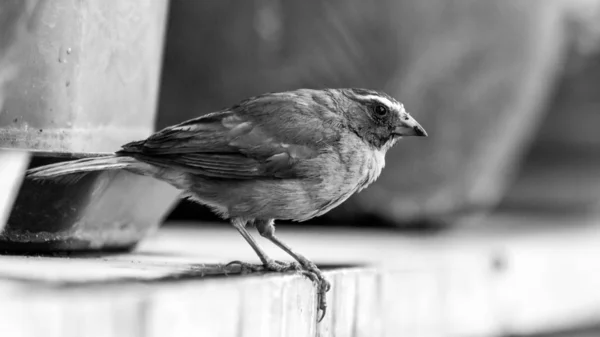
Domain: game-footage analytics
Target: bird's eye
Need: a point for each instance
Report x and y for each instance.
(380, 110)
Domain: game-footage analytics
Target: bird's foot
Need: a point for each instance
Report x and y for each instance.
(271, 265)
(306, 268)
(310, 270)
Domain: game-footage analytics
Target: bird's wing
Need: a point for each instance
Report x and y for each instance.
(230, 145)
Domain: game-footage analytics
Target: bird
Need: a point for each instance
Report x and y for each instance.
(291, 155)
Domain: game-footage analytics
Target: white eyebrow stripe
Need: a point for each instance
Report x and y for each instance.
(385, 101)
(381, 99)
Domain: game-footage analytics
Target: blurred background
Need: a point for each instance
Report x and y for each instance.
(508, 90)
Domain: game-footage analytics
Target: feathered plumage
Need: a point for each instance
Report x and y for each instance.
(291, 155)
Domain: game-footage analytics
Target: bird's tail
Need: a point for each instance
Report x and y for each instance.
(74, 170)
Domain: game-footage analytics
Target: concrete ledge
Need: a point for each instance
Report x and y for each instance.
(483, 282)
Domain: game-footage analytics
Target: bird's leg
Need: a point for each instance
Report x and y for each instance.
(267, 262)
(266, 228)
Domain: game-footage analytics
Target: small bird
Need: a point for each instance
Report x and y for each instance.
(291, 155)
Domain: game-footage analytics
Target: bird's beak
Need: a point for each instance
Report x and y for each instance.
(410, 127)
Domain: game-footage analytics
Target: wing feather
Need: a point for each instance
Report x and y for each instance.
(238, 143)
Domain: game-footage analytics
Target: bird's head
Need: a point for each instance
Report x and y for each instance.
(378, 118)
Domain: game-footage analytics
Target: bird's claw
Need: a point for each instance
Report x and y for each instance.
(323, 286)
(308, 269)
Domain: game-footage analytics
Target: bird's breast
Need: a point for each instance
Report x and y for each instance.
(349, 168)
(361, 165)
(372, 170)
